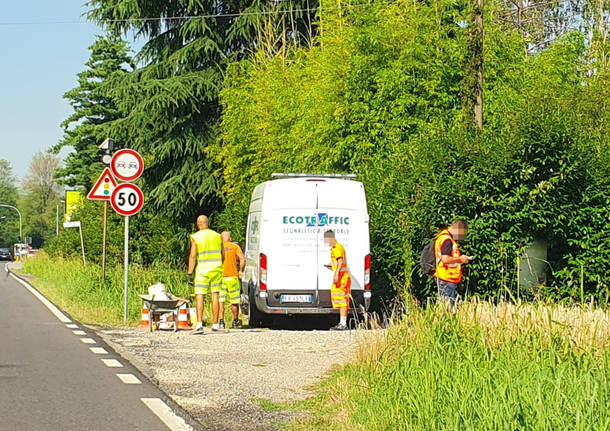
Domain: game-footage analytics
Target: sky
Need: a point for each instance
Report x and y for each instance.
(39, 60)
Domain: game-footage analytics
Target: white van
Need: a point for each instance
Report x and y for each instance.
(285, 251)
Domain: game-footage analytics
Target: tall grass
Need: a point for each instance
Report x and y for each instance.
(528, 367)
(79, 290)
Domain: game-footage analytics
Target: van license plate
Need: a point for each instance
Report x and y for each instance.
(297, 298)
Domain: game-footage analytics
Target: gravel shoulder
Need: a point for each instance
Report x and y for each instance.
(219, 376)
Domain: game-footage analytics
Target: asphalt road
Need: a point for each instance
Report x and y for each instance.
(55, 377)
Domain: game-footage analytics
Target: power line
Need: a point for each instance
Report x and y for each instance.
(185, 17)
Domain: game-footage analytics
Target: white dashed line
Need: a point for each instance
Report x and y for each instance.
(98, 350)
(167, 416)
(72, 326)
(129, 379)
(79, 332)
(52, 308)
(112, 363)
(88, 340)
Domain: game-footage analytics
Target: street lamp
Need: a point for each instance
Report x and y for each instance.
(107, 146)
(20, 224)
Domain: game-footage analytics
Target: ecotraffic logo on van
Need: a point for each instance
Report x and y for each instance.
(319, 220)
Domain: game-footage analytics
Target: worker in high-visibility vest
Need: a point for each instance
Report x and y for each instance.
(340, 289)
(231, 284)
(206, 253)
(449, 260)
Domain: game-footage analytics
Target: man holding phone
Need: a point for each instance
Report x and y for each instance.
(449, 260)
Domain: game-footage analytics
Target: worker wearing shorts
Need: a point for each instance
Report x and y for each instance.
(231, 284)
(206, 252)
(342, 282)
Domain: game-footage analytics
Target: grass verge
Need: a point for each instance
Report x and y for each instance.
(526, 367)
(79, 290)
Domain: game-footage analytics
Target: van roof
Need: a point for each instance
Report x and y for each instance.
(355, 189)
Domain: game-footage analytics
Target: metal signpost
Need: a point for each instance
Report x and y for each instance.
(102, 190)
(127, 199)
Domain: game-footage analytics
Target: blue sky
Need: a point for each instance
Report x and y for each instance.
(38, 64)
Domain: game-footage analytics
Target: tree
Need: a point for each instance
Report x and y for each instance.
(41, 197)
(94, 108)
(9, 219)
(171, 103)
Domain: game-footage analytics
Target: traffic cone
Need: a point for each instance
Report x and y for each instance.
(145, 317)
(183, 317)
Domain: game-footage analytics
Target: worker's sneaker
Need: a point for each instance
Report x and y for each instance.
(339, 327)
(197, 331)
(236, 324)
(221, 324)
(215, 327)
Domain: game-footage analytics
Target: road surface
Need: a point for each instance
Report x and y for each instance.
(57, 375)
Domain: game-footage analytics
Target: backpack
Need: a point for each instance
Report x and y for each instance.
(427, 259)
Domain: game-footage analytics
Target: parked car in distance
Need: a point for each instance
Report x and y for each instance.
(5, 254)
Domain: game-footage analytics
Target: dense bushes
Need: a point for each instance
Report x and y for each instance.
(379, 94)
(153, 238)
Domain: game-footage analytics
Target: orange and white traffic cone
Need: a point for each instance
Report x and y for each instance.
(145, 321)
(183, 317)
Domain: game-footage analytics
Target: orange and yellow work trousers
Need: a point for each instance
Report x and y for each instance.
(340, 291)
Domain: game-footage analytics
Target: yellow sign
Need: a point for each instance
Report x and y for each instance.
(74, 200)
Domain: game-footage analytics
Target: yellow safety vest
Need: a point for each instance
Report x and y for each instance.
(209, 250)
(452, 272)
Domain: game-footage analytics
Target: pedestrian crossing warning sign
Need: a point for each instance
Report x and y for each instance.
(104, 186)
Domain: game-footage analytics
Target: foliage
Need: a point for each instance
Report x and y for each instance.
(380, 95)
(171, 103)
(483, 368)
(78, 289)
(9, 223)
(153, 239)
(41, 198)
(93, 107)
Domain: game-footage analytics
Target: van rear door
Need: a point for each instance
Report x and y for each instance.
(292, 255)
(342, 208)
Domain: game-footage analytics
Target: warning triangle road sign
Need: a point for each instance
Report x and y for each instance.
(104, 186)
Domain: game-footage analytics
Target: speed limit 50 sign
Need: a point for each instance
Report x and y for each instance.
(127, 199)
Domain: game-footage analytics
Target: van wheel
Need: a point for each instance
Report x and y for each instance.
(255, 317)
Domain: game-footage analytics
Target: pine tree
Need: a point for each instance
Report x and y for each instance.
(172, 101)
(94, 108)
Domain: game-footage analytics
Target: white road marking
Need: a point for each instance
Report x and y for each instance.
(167, 416)
(129, 379)
(72, 326)
(88, 340)
(52, 308)
(79, 332)
(112, 363)
(98, 350)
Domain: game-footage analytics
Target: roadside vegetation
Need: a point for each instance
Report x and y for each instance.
(487, 367)
(78, 289)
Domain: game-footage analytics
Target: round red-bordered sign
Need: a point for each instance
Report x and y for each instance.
(127, 165)
(127, 199)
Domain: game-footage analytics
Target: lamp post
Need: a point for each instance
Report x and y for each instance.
(20, 224)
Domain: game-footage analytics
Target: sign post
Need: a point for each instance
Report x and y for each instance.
(127, 199)
(102, 190)
(126, 272)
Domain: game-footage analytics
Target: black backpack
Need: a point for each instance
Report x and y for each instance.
(427, 259)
